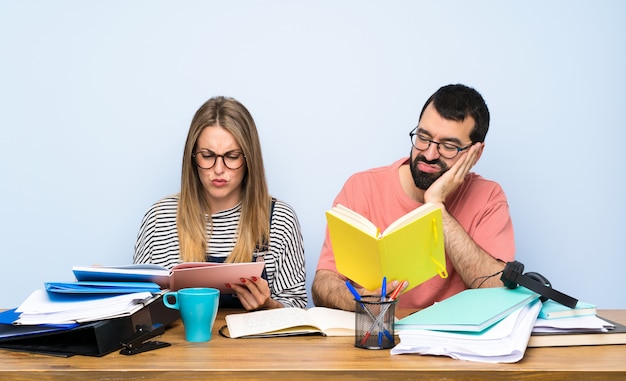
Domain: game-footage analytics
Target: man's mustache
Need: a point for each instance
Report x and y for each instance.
(429, 162)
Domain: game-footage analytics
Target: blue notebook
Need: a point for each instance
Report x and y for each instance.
(472, 310)
(86, 287)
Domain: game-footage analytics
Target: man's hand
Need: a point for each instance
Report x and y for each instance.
(391, 287)
(329, 290)
(454, 177)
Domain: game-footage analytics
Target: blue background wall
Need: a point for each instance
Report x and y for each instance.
(96, 98)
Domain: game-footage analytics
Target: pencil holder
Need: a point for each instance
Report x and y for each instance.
(374, 321)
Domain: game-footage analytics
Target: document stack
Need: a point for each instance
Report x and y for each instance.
(42, 307)
(558, 325)
(87, 318)
(485, 325)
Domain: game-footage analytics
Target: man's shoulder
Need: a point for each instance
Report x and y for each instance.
(478, 190)
(473, 179)
(378, 172)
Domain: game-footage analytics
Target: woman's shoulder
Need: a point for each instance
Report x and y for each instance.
(283, 211)
(173, 198)
(285, 225)
(280, 205)
(166, 205)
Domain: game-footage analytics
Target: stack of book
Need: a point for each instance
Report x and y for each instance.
(46, 307)
(497, 325)
(106, 292)
(76, 322)
(558, 325)
(83, 317)
(484, 325)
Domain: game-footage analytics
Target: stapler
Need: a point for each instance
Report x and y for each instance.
(139, 343)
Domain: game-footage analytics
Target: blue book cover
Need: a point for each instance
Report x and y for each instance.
(126, 273)
(555, 310)
(86, 287)
(471, 310)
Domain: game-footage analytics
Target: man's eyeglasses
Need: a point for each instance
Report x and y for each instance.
(446, 150)
(206, 159)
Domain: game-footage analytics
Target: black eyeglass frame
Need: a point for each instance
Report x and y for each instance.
(225, 154)
(458, 149)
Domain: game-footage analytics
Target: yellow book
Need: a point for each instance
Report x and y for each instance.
(411, 248)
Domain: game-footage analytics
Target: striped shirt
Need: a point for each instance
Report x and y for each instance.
(157, 242)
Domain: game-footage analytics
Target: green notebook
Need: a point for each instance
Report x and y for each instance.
(471, 310)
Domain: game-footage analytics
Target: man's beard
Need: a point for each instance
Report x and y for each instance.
(424, 180)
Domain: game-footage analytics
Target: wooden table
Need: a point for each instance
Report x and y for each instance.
(311, 357)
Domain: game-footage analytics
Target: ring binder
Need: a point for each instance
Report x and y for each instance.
(96, 338)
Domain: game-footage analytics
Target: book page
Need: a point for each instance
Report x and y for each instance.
(42, 307)
(193, 265)
(572, 324)
(411, 216)
(267, 321)
(333, 322)
(355, 219)
(505, 341)
(413, 252)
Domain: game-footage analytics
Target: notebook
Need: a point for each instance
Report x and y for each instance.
(471, 310)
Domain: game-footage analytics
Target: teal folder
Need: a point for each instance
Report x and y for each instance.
(555, 310)
(471, 310)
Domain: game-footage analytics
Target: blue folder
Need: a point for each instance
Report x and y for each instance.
(86, 287)
(8, 330)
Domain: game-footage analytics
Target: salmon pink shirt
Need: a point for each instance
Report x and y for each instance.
(479, 205)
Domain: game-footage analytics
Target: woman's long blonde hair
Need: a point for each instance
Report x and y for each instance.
(193, 209)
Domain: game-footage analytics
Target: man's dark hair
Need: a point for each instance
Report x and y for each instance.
(457, 102)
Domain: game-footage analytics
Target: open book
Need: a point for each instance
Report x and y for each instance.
(183, 275)
(290, 322)
(411, 248)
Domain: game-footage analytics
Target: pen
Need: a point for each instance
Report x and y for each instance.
(395, 292)
(381, 315)
(383, 289)
(354, 292)
(357, 297)
(383, 294)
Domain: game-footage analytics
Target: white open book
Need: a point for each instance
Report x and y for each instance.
(291, 321)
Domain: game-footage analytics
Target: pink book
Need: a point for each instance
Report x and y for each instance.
(184, 275)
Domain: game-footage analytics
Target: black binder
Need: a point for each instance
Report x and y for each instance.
(96, 338)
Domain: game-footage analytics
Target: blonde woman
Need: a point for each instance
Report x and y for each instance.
(224, 212)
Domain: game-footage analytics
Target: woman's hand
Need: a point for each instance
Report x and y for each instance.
(254, 293)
